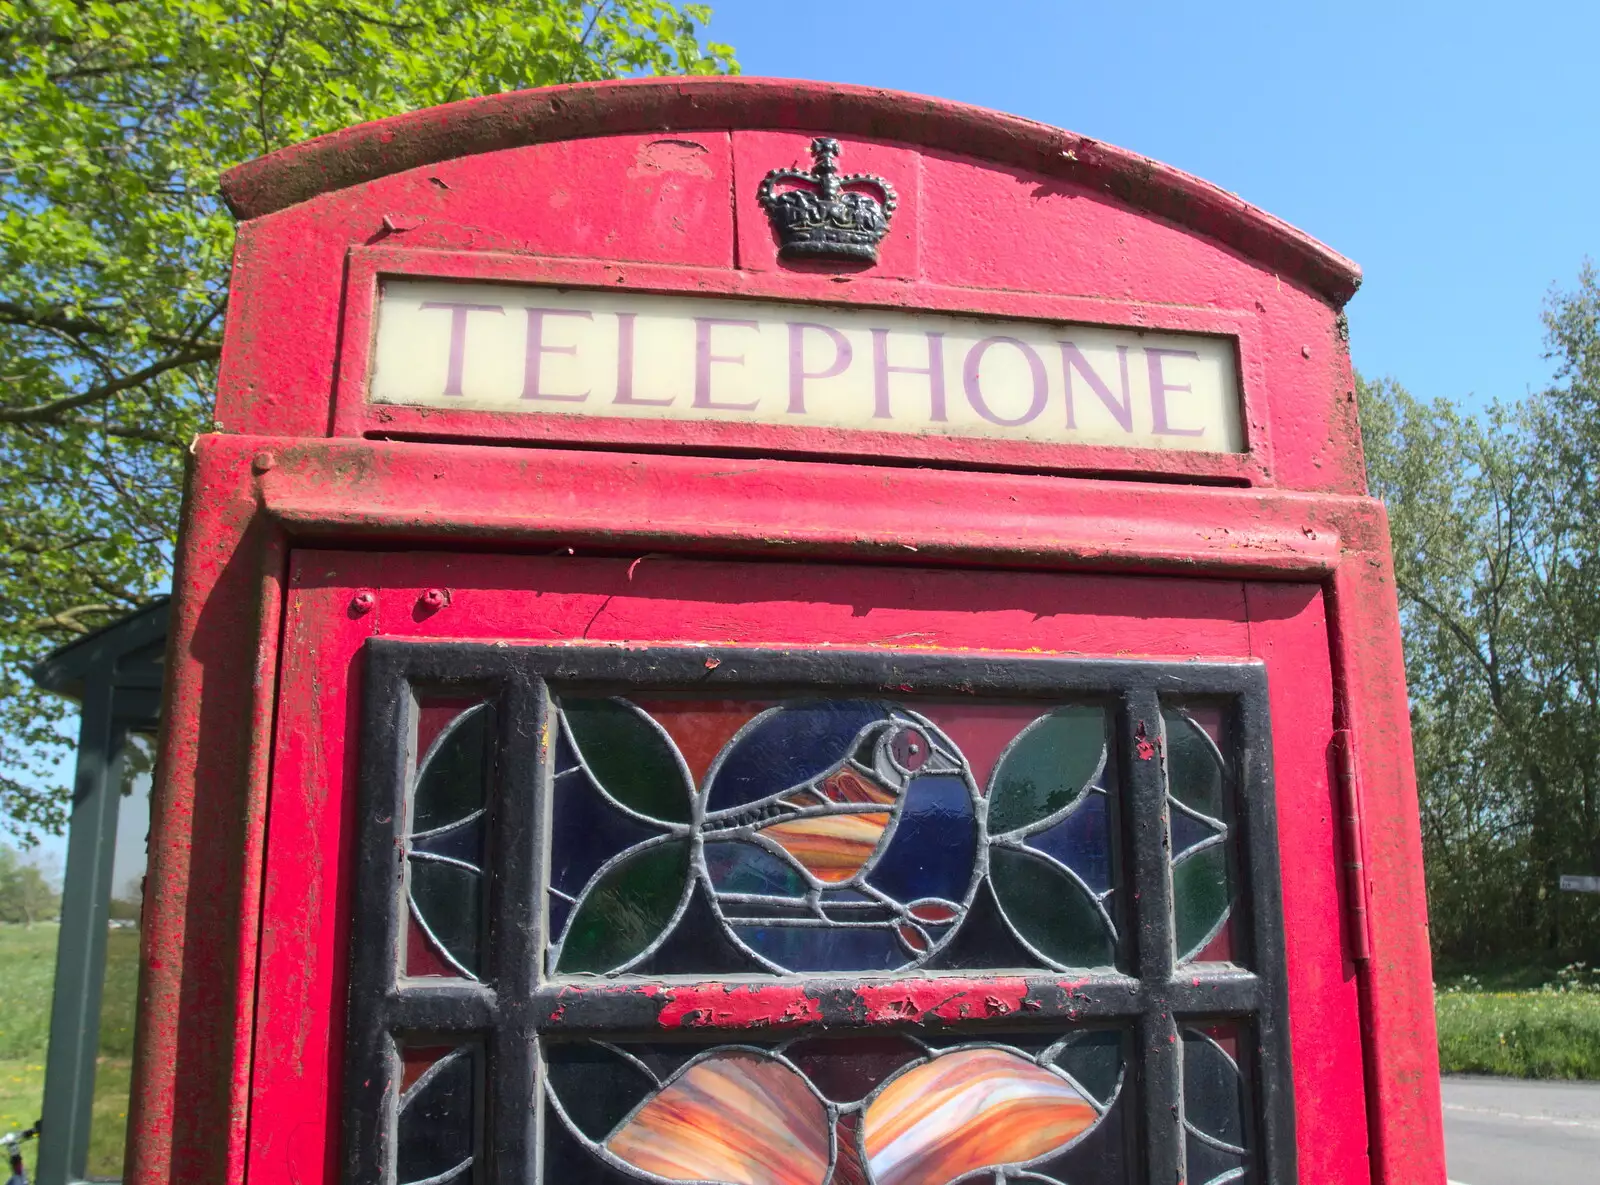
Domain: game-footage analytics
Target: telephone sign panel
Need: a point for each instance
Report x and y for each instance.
(744, 631)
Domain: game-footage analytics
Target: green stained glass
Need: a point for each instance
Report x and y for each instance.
(1050, 910)
(630, 756)
(1194, 767)
(453, 779)
(449, 900)
(1201, 896)
(1046, 767)
(1095, 1062)
(627, 908)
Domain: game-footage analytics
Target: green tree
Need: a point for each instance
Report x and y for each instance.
(1497, 555)
(27, 894)
(116, 118)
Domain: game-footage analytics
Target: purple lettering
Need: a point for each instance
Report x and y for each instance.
(458, 337)
(625, 366)
(1123, 412)
(798, 374)
(881, 370)
(1159, 388)
(703, 358)
(533, 365)
(974, 383)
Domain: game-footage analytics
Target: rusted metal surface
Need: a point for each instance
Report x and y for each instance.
(316, 521)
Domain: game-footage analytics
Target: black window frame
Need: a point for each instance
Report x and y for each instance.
(514, 1004)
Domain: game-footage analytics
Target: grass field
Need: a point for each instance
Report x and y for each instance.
(1522, 1022)
(27, 974)
(1503, 1024)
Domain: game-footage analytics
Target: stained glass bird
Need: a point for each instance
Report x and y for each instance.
(835, 823)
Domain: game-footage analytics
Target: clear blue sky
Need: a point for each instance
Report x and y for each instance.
(1453, 150)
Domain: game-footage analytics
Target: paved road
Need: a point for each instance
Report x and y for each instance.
(1501, 1131)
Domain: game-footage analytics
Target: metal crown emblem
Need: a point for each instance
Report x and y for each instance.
(827, 217)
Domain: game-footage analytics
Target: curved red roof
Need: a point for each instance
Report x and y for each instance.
(419, 138)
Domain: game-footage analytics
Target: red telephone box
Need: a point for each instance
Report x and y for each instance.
(749, 631)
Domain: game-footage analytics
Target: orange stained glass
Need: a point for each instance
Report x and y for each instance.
(969, 1110)
(832, 848)
(736, 1116)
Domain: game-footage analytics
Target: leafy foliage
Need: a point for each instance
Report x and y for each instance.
(27, 894)
(1496, 525)
(116, 118)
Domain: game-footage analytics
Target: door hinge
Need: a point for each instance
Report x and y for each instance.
(1353, 844)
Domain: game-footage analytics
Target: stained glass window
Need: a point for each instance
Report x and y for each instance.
(829, 835)
(748, 917)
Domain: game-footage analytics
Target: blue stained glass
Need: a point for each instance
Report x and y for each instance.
(935, 843)
(1187, 831)
(586, 831)
(786, 747)
(739, 867)
(698, 945)
(1081, 841)
(560, 911)
(464, 843)
(740, 910)
(855, 910)
(826, 948)
(845, 895)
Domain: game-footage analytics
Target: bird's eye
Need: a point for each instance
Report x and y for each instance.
(908, 749)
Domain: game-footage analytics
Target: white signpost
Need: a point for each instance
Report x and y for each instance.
(1580, 884)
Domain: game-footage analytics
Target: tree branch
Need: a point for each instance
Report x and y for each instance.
(583, 41)
(47, 411)
(23, 317)
(67, 619)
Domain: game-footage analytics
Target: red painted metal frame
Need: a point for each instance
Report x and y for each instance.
(651, 185)
(253, 498)
(383, 148)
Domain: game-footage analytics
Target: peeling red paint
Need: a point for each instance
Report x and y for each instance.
(1143, 745)
(939, 999)
(696, 1005)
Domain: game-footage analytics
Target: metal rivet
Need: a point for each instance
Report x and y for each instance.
(434, 598)
(1305, 351)
(363, 602)
(263, 462)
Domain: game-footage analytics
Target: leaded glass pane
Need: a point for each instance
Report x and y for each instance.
(829, 835)
(890, 1109)
(1200, 814)
(448, 825)
(855, 920)
(436, 1114)
(1215, 1105)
